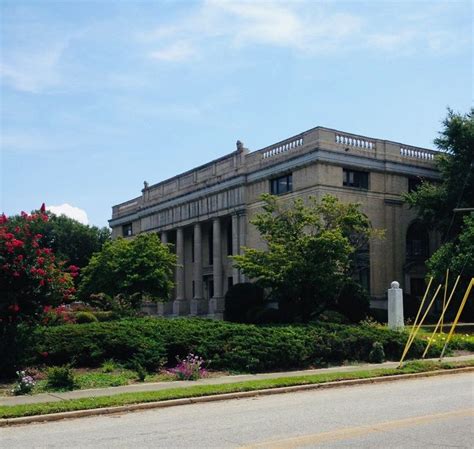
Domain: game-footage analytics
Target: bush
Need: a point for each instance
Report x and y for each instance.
(60, 377)
(85, 317)
(150, 342)
(242, 301)
(191, 368)
(377, 354)
(24, 384)
(105, 315)
(91, 344)
(331, 316)
(353, 302)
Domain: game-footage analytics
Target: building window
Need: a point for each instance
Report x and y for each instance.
(353, 178)
(127, 230)
(413, 184)
(211, 288)
(281, 185)
(417, 242)
(417, 287)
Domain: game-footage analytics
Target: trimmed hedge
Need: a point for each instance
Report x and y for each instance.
(227, 346)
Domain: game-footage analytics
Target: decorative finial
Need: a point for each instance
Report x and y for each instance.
(240, 145)
(395, 284)
(145, 185)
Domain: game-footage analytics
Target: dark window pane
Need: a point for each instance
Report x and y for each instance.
(353, 178)
(281, 185)
(127, 230)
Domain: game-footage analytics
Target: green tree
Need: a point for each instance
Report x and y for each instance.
(309, 253)
(31, 277)
(32, 281)
(71, 241)
(142, 265)
(435, 202)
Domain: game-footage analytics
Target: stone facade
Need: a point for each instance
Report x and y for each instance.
(205, 212)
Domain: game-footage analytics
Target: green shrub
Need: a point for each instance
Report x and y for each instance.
(151, 342)
(105, 315)
(332, 316)
(93, 343)
(108, 366)
(353, 302)
(377, 354)
(242, 302)
(60, 377)
(85, 317)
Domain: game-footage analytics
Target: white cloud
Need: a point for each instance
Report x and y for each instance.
(306, 27)
(177, 51)
(70, 211)
(32, 70)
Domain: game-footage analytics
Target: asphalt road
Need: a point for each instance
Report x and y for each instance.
(433, 412)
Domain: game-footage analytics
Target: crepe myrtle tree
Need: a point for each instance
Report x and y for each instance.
(33, 284)
(32, 279)
(309, 254)
(129, 267)
(69, 239)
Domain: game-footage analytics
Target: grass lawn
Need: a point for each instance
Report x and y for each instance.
(206, 390)
(92, 378)
(109, 375)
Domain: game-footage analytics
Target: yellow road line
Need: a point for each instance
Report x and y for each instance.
(353, 432)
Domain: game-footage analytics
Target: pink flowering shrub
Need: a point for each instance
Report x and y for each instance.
(24, 384)
(191, 368)
(32, 281)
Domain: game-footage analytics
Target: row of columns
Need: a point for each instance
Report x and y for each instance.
(198, 304)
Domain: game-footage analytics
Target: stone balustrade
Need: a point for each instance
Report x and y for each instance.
(358, 142)
(282, 147)
(417, 153)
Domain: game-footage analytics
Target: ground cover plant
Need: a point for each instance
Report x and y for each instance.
(155, 343)
(208, 390)
(35, 380)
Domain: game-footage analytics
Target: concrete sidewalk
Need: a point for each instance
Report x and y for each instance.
(54, 397)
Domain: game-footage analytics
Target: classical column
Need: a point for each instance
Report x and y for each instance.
(164, 237)
(216, 303)
(179, 304)
(242, 238)
(235, 246)
(198, 304)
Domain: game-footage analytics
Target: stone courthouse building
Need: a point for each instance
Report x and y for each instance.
(205, 212)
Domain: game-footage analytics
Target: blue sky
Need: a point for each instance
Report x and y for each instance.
(98, 96)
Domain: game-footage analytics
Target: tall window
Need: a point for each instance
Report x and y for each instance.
(414, 183)
(127, 230)
(354, 178)
(283, 184)
(417, 242)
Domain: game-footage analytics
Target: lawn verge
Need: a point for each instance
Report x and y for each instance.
(17, 414)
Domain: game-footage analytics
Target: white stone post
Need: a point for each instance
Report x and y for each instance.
(395, 306)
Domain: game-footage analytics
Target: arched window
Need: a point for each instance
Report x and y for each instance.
(417, 242)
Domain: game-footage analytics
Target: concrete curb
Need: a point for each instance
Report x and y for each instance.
(224, 397)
